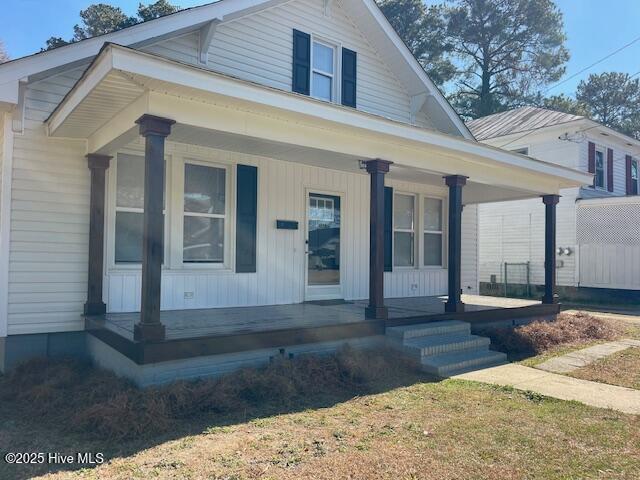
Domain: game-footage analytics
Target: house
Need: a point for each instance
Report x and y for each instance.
(598, 225)
(240, 180)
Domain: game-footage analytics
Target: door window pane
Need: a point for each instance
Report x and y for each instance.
(203, 239)
(324, 240)
(204, 189)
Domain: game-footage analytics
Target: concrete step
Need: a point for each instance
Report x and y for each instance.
(454, 363)
(407, 332)
(439, 344)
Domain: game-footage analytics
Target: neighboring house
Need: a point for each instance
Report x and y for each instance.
(159, 179)
(598, 238)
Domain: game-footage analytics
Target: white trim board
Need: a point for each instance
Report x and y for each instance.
(5, 220)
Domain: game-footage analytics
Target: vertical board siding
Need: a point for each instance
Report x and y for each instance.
(259, 48)
(470, 249)
(281, 261)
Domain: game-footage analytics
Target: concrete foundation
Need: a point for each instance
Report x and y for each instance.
(15, 349)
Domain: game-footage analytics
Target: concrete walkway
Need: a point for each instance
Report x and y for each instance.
(581, 358)
(600, 395)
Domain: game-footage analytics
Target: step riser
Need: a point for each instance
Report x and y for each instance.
(427, 332)
(494, 358)
(449, 347)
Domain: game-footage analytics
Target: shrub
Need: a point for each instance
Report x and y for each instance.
(540, 336)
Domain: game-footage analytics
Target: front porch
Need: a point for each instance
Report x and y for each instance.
(204, 332)
(246, 162)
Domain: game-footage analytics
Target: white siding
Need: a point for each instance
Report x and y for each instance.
(513, 232)
(280, 276)
(258, 48)
(470, 249)
(620, 150)
(50, 219)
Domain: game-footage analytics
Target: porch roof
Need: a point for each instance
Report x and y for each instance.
(220, 111)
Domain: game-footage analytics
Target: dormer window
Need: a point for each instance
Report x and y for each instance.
(323, 70)
(322, 75)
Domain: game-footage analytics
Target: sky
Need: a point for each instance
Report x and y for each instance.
(594, 29)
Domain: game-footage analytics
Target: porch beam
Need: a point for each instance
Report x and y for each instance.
(455, 184)
(98, 165)
(377, 170)
(550, 202)
(154, 130)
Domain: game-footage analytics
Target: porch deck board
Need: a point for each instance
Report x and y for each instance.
(184, 324)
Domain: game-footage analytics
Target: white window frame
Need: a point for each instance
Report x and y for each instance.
(441, 232)
(337, 68)
(603, 151)
(228, 220)
(112, 199)
(416, 218)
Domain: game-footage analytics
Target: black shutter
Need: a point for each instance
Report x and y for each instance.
(388, 229)
(349, 64)
(246, 218)
(301, 62)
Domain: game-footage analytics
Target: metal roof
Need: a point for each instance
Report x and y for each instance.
(519, 120)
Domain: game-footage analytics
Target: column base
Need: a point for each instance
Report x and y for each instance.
(376, 313)
(550, 300)
(454, 307)
(95, 308)
(145, 332)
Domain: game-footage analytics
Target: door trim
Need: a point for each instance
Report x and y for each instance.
(322, 292)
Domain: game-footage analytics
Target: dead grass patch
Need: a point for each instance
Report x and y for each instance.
(541, 336)
(622, 369)
(93, 402)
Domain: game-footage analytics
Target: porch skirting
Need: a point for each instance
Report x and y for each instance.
(109, 358)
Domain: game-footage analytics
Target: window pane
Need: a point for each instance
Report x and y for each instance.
(321, 86)
(403, 249)
(130, 181)
(599, 178)
(322, 58)
(204, 189)
(634, 170)
(403, 212)
(203, 240)
(128, 237)
(432, 214)
(433, 249)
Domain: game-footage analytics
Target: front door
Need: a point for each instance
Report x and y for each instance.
(323, 247)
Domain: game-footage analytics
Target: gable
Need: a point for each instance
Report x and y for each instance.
(252, 40)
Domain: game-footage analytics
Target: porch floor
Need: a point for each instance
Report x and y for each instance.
(184, 324)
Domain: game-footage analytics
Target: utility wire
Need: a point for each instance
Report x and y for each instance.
(635, 40)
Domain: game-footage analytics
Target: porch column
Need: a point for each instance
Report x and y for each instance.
(550, 202)
(155, 130)
(377, 170)
(455, 184)
(98, 165)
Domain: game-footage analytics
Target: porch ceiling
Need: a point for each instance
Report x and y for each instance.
(222, 112)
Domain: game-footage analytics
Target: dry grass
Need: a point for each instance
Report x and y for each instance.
(96, 403)
(568, 331)
(622, 368)
(354, 415)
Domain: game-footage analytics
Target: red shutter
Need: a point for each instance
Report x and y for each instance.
(592, 160)
(628, 175)
(610, 169)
